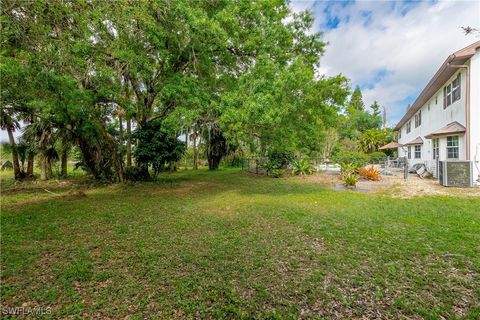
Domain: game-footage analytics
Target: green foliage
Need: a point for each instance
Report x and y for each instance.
(277, 173)
(364, 121)
(269, 166)
(376, 109)
(7, 165)
(136, 174)
(241, 74)
(372, 139)
(376, 157)
(358, 120)
(281, 158)
(350, 180)
(348, 168)
(157, 146)
(302, 167)
(351, 158)
(356, 101)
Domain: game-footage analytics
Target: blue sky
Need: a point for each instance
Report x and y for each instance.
(390, 49)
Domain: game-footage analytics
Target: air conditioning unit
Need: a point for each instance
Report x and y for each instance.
(455, 173)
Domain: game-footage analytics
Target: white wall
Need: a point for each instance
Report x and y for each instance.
(475, 112)
(435, 117)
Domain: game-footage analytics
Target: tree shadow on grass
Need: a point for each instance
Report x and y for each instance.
(194, 185)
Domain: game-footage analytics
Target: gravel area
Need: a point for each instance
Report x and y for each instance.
(396, 186)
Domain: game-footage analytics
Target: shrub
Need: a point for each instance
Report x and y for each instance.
(281, 159)
(157, 146)
(352, 158)
(277, 173)
(370, 173)
(302, 167)
(348, 168)
(350, 180)
(376, 157)
(269, 166)
(136, 174)
(8, 165)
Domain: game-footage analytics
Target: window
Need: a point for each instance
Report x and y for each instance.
(456, 89)
(409, 152)
(447, 96)
(418, 152)
(436, 99)
(409, 126)
(452, 147)
(435, 149)
(400, 133)
(451, 92)
(418, 119)
(429, 106)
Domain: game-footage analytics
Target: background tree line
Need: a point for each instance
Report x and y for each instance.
(120, 82)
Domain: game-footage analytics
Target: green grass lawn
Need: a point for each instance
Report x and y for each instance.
(228, 244)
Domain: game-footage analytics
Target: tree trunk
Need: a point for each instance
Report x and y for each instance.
(186, 148)
(118, 166)
(195, 157)
(30, 165)
(217, 148)
(43, 168)
(120, 124)
(64, 159)
(129, 142)
(49, 170)
(31, 155)
(16, 164)
(120, 133)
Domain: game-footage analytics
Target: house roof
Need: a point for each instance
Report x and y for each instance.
(438, 80)
(451, 128)
(415, 141)
(391, 145)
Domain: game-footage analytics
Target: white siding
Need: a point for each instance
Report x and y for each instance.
(436, 117)
(475, 112)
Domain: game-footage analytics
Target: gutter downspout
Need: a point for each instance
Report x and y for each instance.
(467, 107)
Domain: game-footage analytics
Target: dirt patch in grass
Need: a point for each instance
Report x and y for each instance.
(396, 186)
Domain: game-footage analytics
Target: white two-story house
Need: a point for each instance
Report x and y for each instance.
(444, 121)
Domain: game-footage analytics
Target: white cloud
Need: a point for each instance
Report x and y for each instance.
(392, 49)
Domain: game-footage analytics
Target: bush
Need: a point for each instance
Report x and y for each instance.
(136, 174)
(157, 146)
(8, 165)
(302, 167)
(277, 173)
(350, 180)
(351, 158)
(281, 159)
(269, 166)
(376, 157)
(348, 169)
(370, 173)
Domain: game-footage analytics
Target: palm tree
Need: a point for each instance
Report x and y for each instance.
(9, 123)
(42, 135)
(66, 137)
